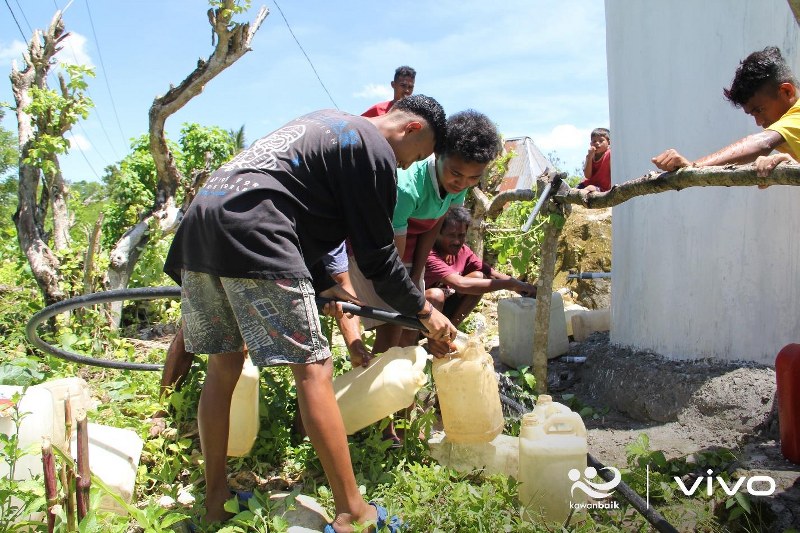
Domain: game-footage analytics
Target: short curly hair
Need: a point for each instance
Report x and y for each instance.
(765, 68)
(472, 136)
(404, 72)
(457, 214)
(428, 109)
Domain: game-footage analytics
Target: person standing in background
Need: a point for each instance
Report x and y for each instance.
(403, 86)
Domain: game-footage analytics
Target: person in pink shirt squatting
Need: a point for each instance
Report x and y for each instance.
(456, 279)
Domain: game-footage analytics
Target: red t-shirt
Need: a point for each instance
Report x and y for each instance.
(439, 266)
(378, 109)
(601, 172)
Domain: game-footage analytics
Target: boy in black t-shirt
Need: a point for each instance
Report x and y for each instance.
(250, 246)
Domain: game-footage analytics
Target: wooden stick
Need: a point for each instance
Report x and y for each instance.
(544, 296)
(83, 480)
(50, 483)
(68, 472)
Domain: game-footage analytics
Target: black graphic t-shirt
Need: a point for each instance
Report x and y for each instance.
(277, 207)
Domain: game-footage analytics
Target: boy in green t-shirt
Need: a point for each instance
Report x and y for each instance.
(765, 88)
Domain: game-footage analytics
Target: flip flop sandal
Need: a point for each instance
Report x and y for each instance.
(243, 497)
(392, 525)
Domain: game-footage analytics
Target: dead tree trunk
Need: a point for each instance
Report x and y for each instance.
(58, 199)
(232, 42)
(30, 214)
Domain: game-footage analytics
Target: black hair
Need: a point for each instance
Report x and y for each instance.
(457, 214)
(428, 109)
(765, 68)
(472, 136)
(404, 72)
(602, 132)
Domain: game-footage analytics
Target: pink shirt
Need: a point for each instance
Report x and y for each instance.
(440, 266)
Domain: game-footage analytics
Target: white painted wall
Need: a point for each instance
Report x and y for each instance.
(704, 272)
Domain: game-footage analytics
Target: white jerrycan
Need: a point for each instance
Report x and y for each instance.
(389, 384)
(550, 451)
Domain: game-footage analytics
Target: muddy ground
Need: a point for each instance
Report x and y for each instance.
(684, 407)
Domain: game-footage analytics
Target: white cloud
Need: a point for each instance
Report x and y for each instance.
(563, 137)
(73, 51)
(375, 92)
(565, 145)
(78, 141)
(11, 52)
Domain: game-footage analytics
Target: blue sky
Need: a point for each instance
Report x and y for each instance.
(535, 67)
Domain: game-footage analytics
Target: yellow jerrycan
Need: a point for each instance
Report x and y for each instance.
(389, 384)
(468, 396)
(551, 450)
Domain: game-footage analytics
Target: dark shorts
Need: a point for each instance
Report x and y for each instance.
(276, 319)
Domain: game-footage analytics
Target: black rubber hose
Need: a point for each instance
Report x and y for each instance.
(378, 314)
(652, 516)
(152, 293)
(144, 293)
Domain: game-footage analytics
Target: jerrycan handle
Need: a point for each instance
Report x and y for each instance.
(565, 424)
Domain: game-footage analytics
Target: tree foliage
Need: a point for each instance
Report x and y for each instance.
(55, 113)
(132, 185)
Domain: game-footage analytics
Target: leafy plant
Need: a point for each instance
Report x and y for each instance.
(19, 499)
(516, 251)
(524, 378)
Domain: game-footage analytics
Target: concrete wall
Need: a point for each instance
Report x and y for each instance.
(705, 272)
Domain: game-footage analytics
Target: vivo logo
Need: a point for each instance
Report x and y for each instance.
(730, 491)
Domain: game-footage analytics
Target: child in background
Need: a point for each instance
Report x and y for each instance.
(597, 167)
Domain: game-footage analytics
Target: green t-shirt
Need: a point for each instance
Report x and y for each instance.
(418, 195)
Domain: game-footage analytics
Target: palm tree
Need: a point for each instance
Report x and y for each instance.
(238, 140)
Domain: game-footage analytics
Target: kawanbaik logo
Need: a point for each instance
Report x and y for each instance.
(597, 491)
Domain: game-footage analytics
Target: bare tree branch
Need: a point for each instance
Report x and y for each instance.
(232, 42)
(500, 201)
(654, 182)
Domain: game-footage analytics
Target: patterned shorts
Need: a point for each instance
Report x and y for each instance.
(276, 319)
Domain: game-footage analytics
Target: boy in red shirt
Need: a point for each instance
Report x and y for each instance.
(597, 167)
